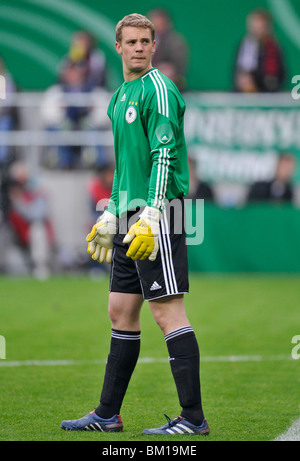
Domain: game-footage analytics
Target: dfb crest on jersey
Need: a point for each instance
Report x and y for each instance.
(131, 114)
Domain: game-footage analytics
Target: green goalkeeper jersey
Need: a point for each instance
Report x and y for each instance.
(150, 151)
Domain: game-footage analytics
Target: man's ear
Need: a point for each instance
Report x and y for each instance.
(153, 46)
(118, 47)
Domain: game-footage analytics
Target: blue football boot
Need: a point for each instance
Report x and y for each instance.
(179, 426)
(93, 422)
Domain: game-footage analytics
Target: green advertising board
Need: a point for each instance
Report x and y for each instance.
(237, 138)
(258, 238)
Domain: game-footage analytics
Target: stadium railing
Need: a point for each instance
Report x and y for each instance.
(31, 133)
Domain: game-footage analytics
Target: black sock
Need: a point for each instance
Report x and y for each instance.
(123, 356)
(184, 360)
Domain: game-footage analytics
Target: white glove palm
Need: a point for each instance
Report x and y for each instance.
(101, 238)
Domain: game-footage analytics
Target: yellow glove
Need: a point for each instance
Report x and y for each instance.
(144, 235)
(101, 238)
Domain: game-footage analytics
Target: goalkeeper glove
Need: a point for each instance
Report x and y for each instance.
(144, 235)
(101, 237)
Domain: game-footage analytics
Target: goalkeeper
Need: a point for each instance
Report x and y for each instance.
(149, 258)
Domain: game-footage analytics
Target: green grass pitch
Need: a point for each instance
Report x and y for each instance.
(244, 325)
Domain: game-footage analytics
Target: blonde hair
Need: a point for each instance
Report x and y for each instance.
(134, 20)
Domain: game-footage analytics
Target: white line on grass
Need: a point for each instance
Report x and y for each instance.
(220, 358)
(292, 434)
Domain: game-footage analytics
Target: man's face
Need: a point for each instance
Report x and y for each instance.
(136, 48)
(285, 168)
(258, 26)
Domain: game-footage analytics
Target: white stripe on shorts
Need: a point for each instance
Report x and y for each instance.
(166, 257)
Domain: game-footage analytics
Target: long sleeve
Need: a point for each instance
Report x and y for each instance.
(162, 125)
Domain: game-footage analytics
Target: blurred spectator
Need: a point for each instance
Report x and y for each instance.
(171, 54)
(27, 215)
(83, 70)
(83, 48)
(7, 113)
(198, 188)
(279, 188)
(259, 64)
(58, 114)
(100, 187)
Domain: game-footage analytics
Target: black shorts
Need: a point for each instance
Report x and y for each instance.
(168, 274)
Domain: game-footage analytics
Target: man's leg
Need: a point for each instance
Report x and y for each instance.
(124, 311)
(170, 314)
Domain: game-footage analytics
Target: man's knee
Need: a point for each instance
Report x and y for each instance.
(124, 311)
(114, 312)
(169, 312)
